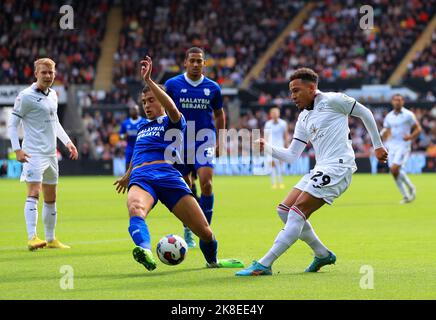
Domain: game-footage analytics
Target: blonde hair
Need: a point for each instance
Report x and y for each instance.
(44, 61)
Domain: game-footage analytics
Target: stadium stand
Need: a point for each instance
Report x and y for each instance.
(332, 43)
(30, 30)
(233, 34)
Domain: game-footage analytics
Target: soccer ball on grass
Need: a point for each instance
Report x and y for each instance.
(172, 249)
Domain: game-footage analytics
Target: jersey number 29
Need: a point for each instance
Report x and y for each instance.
(322, 178)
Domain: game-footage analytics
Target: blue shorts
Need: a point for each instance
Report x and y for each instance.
(192, 165)
(162, 181)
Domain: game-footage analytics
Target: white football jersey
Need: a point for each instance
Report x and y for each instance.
(326, 127)
(275, 132)
(38, 113)
(400, 124)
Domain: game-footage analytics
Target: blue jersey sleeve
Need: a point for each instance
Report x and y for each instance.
(169, 88)
(181, 125)
(217, 102)
(123, 128)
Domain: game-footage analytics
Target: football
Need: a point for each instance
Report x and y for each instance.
(172, 249)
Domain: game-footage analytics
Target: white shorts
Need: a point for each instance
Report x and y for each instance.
(326, 183)
(42, 169)
(398, 156)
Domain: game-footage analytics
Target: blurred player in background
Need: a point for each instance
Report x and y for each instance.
(323, 121)
(129, 131)
(199, 99)
(152, 177)
(36, 107)
(276, 134)
(400, 128)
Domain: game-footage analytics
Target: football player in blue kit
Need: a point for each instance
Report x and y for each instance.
(199, 99)
(129, 131)
(152, 177)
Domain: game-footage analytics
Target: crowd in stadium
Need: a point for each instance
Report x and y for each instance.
(234, 35)
(423, 65)
(331, 42)
(26, 33)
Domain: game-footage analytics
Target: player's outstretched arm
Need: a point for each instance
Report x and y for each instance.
(166, 101)
(290, 154)
(368, 120)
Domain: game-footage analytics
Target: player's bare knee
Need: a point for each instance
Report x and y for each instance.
(34, 195)
(136, 208)
(206, 187)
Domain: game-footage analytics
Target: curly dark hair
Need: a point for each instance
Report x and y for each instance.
(305, 74)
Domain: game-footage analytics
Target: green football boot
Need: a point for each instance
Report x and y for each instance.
(226, 263)
(144, 257)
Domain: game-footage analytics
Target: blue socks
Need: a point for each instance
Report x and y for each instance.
(209, 250)
(206, 204)
(139, 232)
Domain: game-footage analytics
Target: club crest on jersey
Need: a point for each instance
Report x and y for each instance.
(321, 106)
(313, 129)
(159, 120)
(206, 91)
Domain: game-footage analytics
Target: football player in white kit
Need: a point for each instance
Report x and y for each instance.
(400, 128)
(36, 107)
(276, 134)
(323, 120)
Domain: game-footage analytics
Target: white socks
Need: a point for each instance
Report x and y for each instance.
(49, 216)
(286, 237)
(401, 186)
(279, 172)
(31, 216)
(273, 175)
(307, 235)
(405, 179)
(276, 172)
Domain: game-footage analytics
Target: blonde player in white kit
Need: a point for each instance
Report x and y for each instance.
(400, 128)
(36, 107)
(323, 120)
(276, 134)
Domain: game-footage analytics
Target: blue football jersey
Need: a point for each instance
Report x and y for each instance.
(129, 127)
(196, 101)
(150, 143)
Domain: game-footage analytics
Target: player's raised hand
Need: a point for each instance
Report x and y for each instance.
(260, 143)
(22, 156)
(146, 68)
(73, 151)
(381, 154)
(122, 183)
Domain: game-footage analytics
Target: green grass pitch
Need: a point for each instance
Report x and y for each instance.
(366, 226)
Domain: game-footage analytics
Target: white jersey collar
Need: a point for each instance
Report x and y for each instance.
(136, 121)
(193, 83)
(35, 87)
